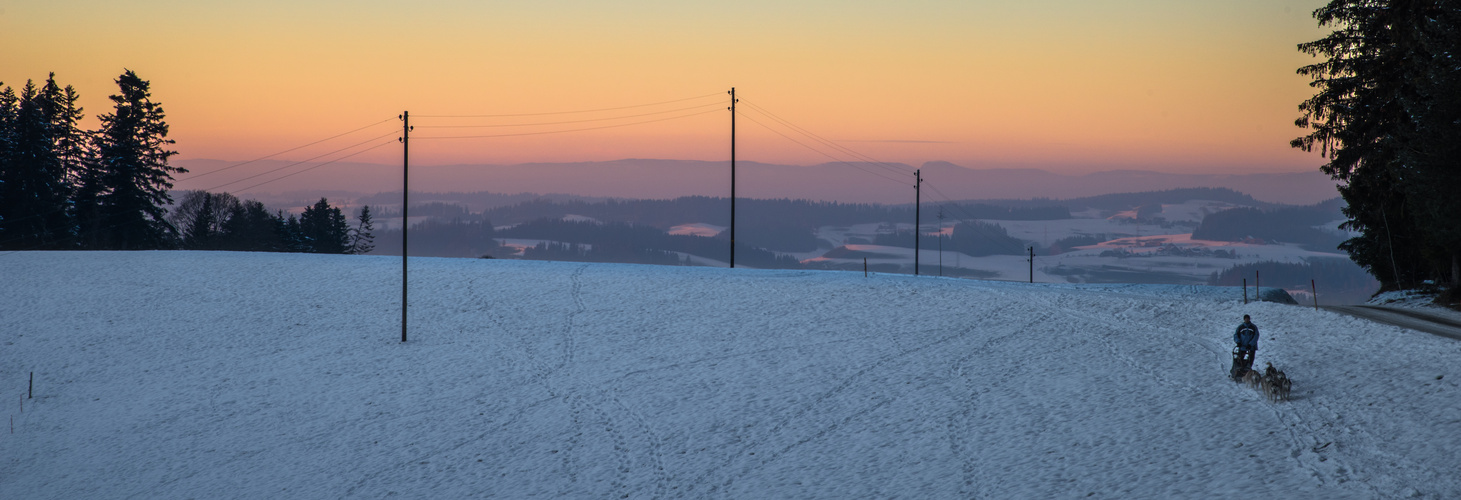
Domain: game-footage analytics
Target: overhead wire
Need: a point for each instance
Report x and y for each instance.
(616, 108)
(861, 165)
(953, 204)
(500, 125)
(317, 166)
(260, 174)
(828, 142)
(823, 153)
(261, 158)
(849, 151)
(545, 132)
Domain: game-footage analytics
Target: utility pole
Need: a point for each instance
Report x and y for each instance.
(733, 179)
(940, 240)
(405, 208)
(1032, 264)
(917, 204)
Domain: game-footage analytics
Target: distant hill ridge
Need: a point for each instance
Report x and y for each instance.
(841, 182)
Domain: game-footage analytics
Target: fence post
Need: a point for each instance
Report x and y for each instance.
(1245, 291)
(1315, 289)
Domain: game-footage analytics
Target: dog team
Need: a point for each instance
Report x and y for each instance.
(1272, 382)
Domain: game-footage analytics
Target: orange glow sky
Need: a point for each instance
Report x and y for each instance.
(1066, 85)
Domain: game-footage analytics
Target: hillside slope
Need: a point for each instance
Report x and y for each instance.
(212, 374)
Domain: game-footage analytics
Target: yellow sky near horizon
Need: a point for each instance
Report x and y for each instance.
(1064, 85)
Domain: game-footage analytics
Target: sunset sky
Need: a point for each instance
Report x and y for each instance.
(1065, 85)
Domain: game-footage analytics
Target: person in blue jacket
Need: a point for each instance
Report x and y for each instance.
(1246, 338)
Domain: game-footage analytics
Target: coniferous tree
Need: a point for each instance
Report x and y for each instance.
(133, 171)
(1432, 161)
(8, 104)
(290, 233)
(250, 227)
(1368, 116)
(41, 150)
(324, 229)
(199, 234)
(362, 241)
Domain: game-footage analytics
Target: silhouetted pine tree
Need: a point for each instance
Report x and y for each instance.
(289, 232)
(199, 234)
(8, 106)
(43, 145)
(323, 229)
(250, 227)
(1432, 162)
(133, 171)
(362, 241)
(1383, 74)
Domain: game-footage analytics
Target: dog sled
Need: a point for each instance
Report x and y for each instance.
(1272, 382)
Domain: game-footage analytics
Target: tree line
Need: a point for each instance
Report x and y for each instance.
(63, 187)
(1339, 281)
(1283, 225)
(800, 214)
(1386, 116)
(209, 221)
(637, 243)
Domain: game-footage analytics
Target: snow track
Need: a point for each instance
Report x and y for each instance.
(211, 374)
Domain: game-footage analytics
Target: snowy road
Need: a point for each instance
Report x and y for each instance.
(1404, 318)
(223, 375)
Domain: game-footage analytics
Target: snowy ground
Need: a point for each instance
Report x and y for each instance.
(225, 375)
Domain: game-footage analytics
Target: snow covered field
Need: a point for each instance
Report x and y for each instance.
(227, 375)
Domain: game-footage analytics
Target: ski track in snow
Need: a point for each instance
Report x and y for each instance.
(214, 374)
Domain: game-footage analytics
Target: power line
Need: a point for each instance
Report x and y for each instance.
(956, 206)
(318, 166)
(823, 153)
(826, 141)
(569, 130)
(282, 152)
(572, 112)
(500, 125)
(260, 174)
(843, 149)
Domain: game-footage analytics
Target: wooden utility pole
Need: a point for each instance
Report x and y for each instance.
(405, 208)
(733, 179)
(1032, 264)
(917, 204)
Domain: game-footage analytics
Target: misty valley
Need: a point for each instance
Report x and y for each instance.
(1213, 236)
